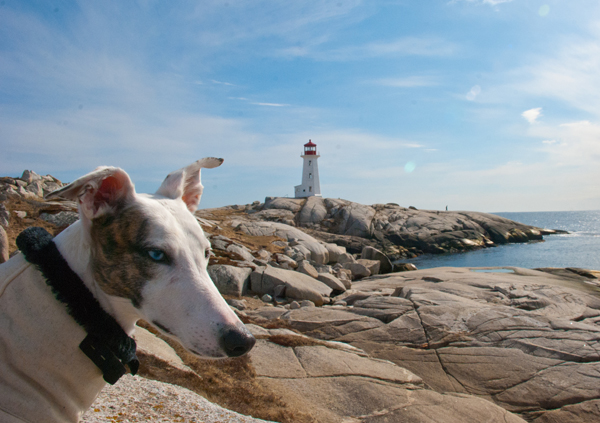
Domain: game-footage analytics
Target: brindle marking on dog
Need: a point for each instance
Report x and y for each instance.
(121, 263)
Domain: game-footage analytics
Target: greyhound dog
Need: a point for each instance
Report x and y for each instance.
(131, 256)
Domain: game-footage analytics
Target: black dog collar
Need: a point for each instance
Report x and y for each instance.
(106, 344)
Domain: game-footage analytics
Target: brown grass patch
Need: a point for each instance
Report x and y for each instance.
(266, 323)
(295, 341)
(224, 216)
(231, 383)
(16, 225)
(251, 302)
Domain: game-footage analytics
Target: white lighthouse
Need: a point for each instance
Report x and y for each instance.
(310, 173)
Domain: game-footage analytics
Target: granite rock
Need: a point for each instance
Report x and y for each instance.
(230, 280)
(3, 245)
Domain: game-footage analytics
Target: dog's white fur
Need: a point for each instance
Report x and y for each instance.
(44, 377)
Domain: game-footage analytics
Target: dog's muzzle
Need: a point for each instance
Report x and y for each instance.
(237, 341)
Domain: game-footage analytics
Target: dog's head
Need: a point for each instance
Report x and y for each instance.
(151, 250)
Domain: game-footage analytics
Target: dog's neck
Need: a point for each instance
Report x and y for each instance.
(74, 245)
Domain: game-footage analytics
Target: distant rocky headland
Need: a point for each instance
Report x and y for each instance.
(344, 335)
(399, 232)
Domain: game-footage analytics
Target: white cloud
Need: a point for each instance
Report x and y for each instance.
(229, 84)
(473, 93)
(407, 82)
(223, 24)
(271, 104)
(406, 46)
(569, 73)
(490, 2)
(496, 2)
(570, 144)
(259, 103)
(531, 115)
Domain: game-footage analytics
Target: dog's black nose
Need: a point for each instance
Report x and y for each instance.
(237, 341)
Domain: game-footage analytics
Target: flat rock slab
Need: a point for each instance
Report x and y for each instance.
(322, 361)
(359, 399)
(382, 308)
(310, 319)
(275, 361)
(586, 411)
(527, 340)
(341, 386)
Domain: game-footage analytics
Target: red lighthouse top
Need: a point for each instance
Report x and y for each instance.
(310, 149)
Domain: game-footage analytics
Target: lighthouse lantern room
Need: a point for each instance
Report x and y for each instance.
(310, 173)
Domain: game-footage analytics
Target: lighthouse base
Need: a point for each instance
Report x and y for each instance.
(302, 191)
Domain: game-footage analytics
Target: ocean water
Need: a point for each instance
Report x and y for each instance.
(579, 248)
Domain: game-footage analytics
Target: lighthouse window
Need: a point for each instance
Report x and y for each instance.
(309, 189)
(310, 162)
(310, 176)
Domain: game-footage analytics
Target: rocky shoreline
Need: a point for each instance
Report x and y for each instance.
(345, 336)
(399, 232)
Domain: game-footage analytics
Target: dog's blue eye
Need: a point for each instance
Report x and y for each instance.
(156, 255)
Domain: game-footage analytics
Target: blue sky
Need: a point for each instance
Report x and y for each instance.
(488, 105)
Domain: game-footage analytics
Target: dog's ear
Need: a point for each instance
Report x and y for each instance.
(185, 183)
(98, 192)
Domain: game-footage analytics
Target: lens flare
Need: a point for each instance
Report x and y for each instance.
(475, 91)
(544, 10)
(409, 167)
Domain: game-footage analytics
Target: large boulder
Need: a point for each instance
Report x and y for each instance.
(335, 251)
(36, 188)
(292, 204)
(313, 212)
(370, 253)
(346, 258)
(297, 285)
(230, 280)
(4, 216)
(286, 262)
(30, 176)
(3, 245)
(308, 269)
(318, 252)
(241, 251)
(331, 281)
(372, 265)
(351, 218)
(358, 270)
